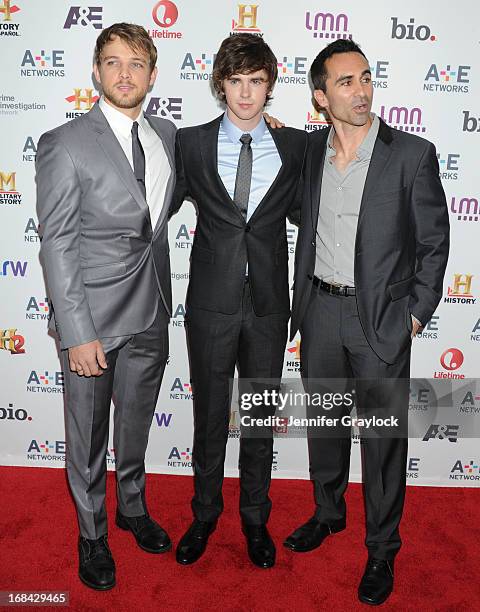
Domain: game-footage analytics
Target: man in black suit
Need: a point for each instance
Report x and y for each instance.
(244, 179)
(370, 260)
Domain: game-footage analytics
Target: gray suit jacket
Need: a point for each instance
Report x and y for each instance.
(106, 267)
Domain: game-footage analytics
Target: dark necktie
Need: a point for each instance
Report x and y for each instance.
(244, 175)
(138, 155)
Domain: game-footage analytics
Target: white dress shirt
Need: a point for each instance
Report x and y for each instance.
(157, 167)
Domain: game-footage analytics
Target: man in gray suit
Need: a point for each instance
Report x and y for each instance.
(104, 183)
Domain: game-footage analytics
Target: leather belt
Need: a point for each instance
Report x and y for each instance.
(342, 290)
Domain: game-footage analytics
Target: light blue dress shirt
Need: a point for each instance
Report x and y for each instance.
(265, 165)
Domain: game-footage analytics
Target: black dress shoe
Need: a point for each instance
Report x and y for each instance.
(148, 534)
(377, 582)
(97, 567)
(193, 544)
(310, 535)
(261, 548)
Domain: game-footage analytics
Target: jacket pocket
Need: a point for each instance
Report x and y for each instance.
(401, 288)
(104, 271)
(203, 254)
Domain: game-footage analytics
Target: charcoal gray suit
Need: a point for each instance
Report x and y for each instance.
(108, 277)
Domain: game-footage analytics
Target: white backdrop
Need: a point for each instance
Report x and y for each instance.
(426, 69)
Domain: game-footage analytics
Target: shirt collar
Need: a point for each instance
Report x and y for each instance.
(234, 133)
(365, 149)
(118, 121)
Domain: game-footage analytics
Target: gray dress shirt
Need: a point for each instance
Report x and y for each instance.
(340, 200)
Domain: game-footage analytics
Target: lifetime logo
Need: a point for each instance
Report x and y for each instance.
(450, 360)
(442, 432)
(165, 15)
(411, 31)
(87, 99)
(327, 25)
(11, 341)
(247, 19)
(403, 118)
(17, 268)
(84, 16)
(466, 209)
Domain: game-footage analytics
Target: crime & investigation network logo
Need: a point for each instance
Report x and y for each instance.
(8, 13)
(9, 105)
(164, 15)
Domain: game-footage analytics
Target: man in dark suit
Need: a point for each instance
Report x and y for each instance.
(104, 183)
(370, 260)
(244, 179)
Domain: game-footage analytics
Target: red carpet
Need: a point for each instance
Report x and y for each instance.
(437, 569)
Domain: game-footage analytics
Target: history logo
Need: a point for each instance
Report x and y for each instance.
(246, 20)
(82, 100)
(8, 27)
(460, 291)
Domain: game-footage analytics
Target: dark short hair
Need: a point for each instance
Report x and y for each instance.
(134, 35)
(318, 72)
(243, 54)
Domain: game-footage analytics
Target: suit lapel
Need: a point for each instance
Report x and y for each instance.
(282, 147)
(380, 156)
(317, 161)
(209, 153)
(114, 153)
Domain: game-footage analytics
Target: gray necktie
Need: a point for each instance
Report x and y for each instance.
(138, 155)
(244, 175)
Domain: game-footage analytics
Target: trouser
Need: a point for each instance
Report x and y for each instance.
(217, 342)
(334, 346)
(135, 369)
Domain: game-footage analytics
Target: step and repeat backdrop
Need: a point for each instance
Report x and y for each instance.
(425, 64)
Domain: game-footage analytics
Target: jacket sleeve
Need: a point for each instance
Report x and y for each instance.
(58, 208)
(429, 213)
(181, 189)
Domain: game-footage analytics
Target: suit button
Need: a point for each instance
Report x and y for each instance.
(248, 228)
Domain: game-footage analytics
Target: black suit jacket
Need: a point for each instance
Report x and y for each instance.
(224, 242)
(402, 240)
